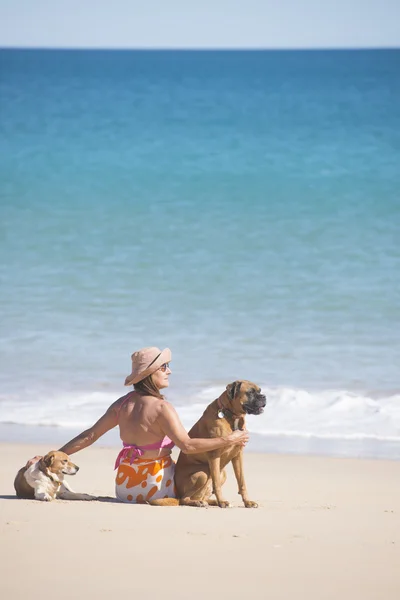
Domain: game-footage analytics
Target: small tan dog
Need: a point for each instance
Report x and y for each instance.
(44, 480)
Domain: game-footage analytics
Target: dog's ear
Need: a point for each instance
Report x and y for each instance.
(233, 389)
(48, 459)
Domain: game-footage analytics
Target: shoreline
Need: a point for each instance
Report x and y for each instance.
(366, 449)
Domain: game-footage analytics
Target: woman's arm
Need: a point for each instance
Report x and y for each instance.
(171, 425)
(88, 437)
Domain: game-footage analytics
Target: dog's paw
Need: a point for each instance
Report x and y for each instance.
(43, 497)
(250, 504)
(224, 504)
(199, 503)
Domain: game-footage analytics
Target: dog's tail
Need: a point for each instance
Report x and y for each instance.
(164, 502)
(181, 502)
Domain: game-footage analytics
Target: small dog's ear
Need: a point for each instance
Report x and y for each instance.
(233, 389)
(48, 459)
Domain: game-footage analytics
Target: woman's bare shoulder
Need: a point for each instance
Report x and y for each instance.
(118, 403)
(165, 407)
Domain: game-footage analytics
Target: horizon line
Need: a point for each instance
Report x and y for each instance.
(202, 49)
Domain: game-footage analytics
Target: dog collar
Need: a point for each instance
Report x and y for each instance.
(52, 478)
(227, 413)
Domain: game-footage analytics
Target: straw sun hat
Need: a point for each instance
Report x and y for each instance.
(147, 361)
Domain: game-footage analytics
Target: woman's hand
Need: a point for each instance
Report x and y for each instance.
(240, 437)
(171, 426)
(32, 461)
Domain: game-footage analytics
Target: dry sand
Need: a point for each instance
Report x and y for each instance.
(325, 529)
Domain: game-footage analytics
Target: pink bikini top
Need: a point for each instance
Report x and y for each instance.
(137, 451)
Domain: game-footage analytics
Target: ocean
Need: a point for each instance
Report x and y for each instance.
(239, 207)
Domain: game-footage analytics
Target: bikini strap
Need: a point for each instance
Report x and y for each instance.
(123, 403)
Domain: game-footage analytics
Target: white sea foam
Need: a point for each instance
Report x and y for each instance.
(329, 414)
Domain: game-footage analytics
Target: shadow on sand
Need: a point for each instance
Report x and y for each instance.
(98, 499)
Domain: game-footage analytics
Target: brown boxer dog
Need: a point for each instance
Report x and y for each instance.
(198, 476)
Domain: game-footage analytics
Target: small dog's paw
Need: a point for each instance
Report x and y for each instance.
(250, 504)
(43, 497)
(224, 504)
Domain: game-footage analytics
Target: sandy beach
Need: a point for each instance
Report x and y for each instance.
(326, 528)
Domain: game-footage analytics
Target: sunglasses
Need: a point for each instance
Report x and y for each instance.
(164, 367)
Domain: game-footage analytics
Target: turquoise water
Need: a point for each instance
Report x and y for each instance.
(241, 208)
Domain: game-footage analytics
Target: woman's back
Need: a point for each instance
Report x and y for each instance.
(137, 420)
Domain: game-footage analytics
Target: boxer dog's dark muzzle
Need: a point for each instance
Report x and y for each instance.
(255, 403)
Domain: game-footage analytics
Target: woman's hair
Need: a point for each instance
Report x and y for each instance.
(148, 388)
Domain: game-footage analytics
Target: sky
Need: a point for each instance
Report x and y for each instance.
(200, 23)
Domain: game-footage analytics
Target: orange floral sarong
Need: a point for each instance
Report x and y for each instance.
(145, 479)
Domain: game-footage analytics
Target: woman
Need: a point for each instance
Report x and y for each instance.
(149, 427)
